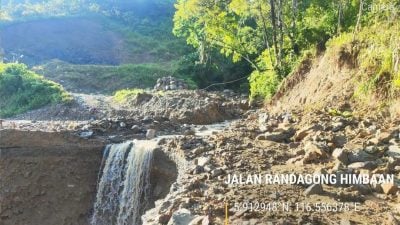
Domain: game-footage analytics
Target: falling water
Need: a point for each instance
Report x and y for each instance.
(124, 185)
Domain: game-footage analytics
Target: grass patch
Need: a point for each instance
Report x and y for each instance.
(337, 112)
(122, 96)
(104, 79)
(377, 59)
(107, 79)
(22, 90)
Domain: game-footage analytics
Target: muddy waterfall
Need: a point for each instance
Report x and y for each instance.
(124, 186)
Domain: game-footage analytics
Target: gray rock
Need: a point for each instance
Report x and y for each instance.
(135, 129)
(371, 149)
(189, 132)
(376, 188)
(208, 168)
(262, 121)
(86, 134)
(170, 83)
(363, 189)
(372, 129)
(198, 170)
(369, 165)
(150, 134)
(360, 156)
(315, 189)
(181, 217)
(337, 126)
(394, 151)
(339, 140)
(277, 136)
(217, 172)
(287, 118)
(341, 155)
(202, 161)
(116, 138)
(199, 150)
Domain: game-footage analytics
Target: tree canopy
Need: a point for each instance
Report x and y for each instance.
(272, 35)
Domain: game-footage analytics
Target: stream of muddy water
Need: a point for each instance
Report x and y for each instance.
(124, 186)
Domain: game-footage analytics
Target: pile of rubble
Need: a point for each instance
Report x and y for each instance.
(315, 143)
(188, 106)
(170, 83)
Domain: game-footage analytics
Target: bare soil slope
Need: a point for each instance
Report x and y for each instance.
(326, 80)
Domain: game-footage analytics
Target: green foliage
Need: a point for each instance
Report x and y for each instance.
(29, 9)
(254, 30)
(22, 90)
(149, 38)
(337, 112)
(263, 84)
(122, 96)
(218, 70)
(106, 79)
(271, 35)
(378, 58)
(341, 40)
(149, 46)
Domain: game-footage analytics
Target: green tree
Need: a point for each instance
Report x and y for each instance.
(269, 34)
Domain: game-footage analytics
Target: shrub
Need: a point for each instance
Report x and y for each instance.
(263, 85)
(22, 90)
(122, 96)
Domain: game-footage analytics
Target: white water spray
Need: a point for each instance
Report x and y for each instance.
(124, 186)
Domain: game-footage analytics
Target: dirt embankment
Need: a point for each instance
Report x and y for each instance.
(329, 80)
(47, 178)
(318, 82)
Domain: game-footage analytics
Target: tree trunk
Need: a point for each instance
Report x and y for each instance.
(360, 10)
(293, 32)
(265, 33)
(281, 34)
(274, 30)
(340, 15)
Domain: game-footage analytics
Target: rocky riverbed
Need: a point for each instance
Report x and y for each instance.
(258, 142)
(315, 143)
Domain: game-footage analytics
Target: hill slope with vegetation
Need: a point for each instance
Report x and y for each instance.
(137, 33)
(276, 36)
